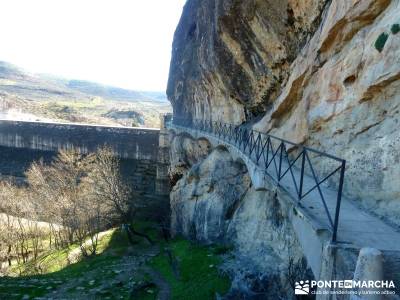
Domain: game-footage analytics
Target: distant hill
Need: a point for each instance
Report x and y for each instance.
(59, 85)
(9, 71)
(105, 91)
(49, 97)
(162, 96)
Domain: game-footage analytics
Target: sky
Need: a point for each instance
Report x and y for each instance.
(126, 43)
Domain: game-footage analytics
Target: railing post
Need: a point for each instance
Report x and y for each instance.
(303, 161)
(280, 162)
(246, 140)
(243, 138)
(338, 202)
(268, 146)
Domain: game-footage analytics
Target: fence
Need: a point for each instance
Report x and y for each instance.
(281, 158)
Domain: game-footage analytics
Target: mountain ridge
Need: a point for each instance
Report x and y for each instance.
(87, 87)
(44, 97)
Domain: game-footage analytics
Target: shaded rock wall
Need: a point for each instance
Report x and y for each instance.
(322, 73)
(206, 197)
(215, 202)
(231, 57)
(185, 152)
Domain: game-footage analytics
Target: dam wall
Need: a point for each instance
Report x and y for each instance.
(22, 143)
(127, 143)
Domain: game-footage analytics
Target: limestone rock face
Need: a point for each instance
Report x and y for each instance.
(215, 202)
(343, 97)
(185, 152)
(321, 73)
(205, 198)
(231, 57)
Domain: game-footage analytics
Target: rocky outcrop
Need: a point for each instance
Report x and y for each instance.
(230, 58)
(343, 98)
(325, 74)
(185, 152)
(215, 202)
(207, 196)
(321, 73)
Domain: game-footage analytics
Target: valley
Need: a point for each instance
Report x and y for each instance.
(34, 97)
(121, 270)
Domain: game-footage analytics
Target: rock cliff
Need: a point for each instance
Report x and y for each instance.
(343, 97)
(320, 73)
(230, 58)
(215, 202)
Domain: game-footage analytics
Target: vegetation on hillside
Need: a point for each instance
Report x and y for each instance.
(64, 203)
(122, 270)
(72, 232)
(33, 97)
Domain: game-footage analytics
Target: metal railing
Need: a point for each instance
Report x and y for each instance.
(280, 158)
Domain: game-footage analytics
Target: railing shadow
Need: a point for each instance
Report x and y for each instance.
(286, 163)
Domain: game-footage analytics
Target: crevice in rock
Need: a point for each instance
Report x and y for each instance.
(274, 214)
(374, 90)
(366, 128)
(349, 80)
(235, 206)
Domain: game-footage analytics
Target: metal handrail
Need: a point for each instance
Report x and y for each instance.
(261, 148)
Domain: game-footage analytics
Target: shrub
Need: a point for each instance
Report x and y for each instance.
(395, 28)
(381, 41)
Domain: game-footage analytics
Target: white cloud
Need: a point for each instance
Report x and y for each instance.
(119, 42)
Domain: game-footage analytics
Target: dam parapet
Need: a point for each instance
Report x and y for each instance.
(126, 142)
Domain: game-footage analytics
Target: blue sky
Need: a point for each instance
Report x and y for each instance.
(126, 43)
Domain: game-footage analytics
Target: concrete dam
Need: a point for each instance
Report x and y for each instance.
(132, 143)
(23, 142)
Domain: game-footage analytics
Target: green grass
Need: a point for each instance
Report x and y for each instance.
(198, 277)
(55, 265)
(56, 260)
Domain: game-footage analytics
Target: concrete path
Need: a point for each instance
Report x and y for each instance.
(356, 227)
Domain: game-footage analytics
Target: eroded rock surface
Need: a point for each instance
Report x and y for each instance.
(321, 73)
(231, 57)
(185, 152)
(206, 197)
(215, 202)
(343, 97)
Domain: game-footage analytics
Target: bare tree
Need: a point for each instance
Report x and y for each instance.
(61, 194)
(77, 195)
(109, 188)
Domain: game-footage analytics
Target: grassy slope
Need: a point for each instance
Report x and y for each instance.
(198, 277)
(104, 276)
(57, 271)
(40, 97)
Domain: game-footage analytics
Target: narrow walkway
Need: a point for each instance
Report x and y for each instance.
(356, 227)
